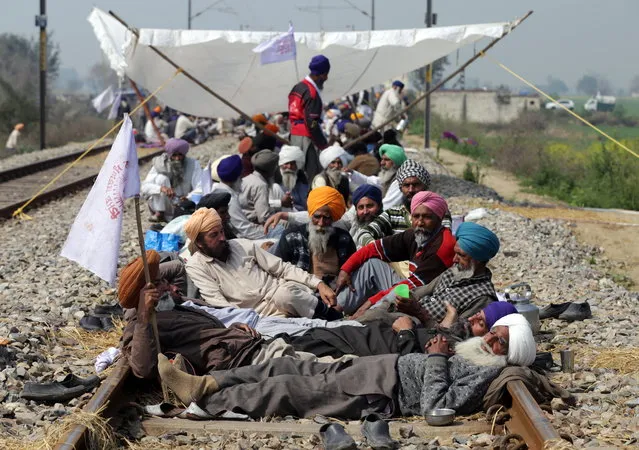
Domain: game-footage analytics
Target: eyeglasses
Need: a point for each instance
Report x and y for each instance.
(502, 342)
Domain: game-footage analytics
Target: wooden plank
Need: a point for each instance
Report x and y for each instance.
(527, 418)
(156, 426)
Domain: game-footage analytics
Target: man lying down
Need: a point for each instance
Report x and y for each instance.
(390, 385)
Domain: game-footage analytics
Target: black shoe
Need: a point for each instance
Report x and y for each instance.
(576, 311)
(335, 437)
(94, 323)
(376, 432)
(333, 314)
(553, 311)
(72, 386)
(108, 310)
(544, 361)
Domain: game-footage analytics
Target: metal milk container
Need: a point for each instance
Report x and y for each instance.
(523, 304)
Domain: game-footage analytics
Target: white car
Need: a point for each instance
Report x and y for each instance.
(555, 105)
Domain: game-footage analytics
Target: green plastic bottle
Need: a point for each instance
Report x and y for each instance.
(402, 291)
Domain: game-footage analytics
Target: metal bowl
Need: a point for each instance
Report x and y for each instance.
(440, 416)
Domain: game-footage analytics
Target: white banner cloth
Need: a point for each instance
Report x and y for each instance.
(104, 99)
(94, 239)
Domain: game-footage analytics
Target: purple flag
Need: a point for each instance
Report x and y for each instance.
(278, 49)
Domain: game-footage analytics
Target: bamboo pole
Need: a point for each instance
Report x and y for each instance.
(195, 80)
(441, 83)
(147, 111)
(147, 277)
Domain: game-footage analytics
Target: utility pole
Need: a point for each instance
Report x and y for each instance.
(189, 21)
(372, 14)
(41, 21)
(429, 76)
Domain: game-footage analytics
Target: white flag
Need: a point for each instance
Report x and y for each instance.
(280, 48)
(104, 100)
(94, 239)
(206, 183)
(113, 113)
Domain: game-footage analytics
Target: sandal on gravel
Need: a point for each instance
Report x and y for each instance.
(108, 310)
(95, 323)
(164, 410)
(377, 433)
(194, 412)
(71, 387)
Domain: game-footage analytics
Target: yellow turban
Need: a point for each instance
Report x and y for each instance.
(202, 220)
(132, 278)
(326, 196)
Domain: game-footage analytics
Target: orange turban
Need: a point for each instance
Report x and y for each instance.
(19, 126)
(202, 220)
(245, 145)
(260, 118)
(272, 128)
(132, 278)
(326, 196)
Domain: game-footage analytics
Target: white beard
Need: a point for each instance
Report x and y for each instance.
(421, 236)
(463, 274)
(318, 238)
(334, 176)
(386, 177)
(165, 303)
(289, 179)
(476, 352)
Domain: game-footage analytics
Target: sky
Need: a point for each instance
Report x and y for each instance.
(563, 38)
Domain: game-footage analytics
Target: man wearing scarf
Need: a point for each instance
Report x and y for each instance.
(305, 114)
(291, 178)
(172, 176)
(427, 244)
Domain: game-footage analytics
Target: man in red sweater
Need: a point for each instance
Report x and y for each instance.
(428, 245)
(305, 114)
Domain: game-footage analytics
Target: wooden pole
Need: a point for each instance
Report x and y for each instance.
(196, 81)
(147, 277)
(147, 111)
(441, 83)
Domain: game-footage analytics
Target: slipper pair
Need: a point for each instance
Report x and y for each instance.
(71, 387)
(95, 323)
(374, 429)
(567, 311)
(193, 412)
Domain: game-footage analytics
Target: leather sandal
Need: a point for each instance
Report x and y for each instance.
(377, 433)
(335, 437)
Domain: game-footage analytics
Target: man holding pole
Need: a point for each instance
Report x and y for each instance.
(305, 113)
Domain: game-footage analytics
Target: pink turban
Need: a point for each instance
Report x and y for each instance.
(432, 201)
(174, 146)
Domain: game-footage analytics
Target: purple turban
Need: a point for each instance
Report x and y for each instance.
(230, 168)
(432, 201)
(399, 84)
(496, 310)
(368, 191)
(174, 146)
(319, 65)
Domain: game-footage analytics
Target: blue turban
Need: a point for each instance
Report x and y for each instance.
(479, 242)
(367, 190)
(319, 65)
(230, 168)
(398, 84)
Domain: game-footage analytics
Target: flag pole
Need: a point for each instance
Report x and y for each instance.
(196, 81)
(147, 111)
(147, 277)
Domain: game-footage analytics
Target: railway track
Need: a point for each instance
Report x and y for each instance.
(526, 421)
(19, 184)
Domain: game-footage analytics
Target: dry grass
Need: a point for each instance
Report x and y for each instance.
(89, 343)
(100, 436)
(623, 360)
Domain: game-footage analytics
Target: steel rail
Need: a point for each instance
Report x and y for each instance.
(38, 166)
(6, 211)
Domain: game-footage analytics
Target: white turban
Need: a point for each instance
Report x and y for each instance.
(522, 348)
(214, 175)
(330, 154)
(290, 153)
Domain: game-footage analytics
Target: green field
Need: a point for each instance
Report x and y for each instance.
(630, 105)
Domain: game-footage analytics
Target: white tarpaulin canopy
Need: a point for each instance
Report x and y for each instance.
(226, 63)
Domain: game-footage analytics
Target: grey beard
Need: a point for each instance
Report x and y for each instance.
(237, 185)
(421, 236)
(318, 238)
(476, 352)
(460, 274)
(165, 303)
(334, 176)
(289, 179)
(176, 172)
(386, 177)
